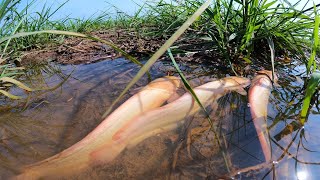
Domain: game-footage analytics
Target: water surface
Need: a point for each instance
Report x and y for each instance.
(55, 120)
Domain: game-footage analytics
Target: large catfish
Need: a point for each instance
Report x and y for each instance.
(82, 154)
(168, 116)
(259, 93)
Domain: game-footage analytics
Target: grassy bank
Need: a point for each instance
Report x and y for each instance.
(229, 33)
(234, 30)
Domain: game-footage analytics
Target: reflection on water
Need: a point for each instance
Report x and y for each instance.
(56, 118)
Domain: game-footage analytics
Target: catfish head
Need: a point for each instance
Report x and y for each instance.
(236, 83)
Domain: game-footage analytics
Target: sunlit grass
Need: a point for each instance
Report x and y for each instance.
(21, 31)
(240, 31)
(313, 85)
(312, 64)
(314, 82)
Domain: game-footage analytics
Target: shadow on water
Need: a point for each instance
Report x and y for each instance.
(75, 98)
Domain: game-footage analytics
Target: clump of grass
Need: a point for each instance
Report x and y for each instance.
(239, 30)
(236, 32)
(10, 24)
(25, 26)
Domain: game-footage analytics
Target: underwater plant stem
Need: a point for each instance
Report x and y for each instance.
(194, 96)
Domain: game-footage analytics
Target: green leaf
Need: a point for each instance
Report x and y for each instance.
(247, 60)
(266, 6)
(312, 86)
(312, 62)
(187, 85)
(272, 52)
(194, 96)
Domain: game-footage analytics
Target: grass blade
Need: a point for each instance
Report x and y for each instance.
(11, 96)
(312, 86)
(8, 41)
(187, 85)
(272, 51)
(312, 62)
(194, 96)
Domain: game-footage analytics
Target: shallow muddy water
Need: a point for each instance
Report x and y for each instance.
(55, 120)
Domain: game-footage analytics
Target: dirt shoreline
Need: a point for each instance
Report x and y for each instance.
(187, 49)
(76, 50)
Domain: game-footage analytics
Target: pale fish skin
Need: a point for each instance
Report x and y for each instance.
(82, 154)
(169, 116)
(259, 94)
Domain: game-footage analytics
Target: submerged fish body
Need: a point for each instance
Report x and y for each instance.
(122, 129)
(259, 94)
(80, 155)
(168, 116)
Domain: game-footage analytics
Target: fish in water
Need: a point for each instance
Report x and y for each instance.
(81, 155)
(109, 139)
(259, 93)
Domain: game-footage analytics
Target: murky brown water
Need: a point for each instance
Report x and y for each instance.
(57, 119)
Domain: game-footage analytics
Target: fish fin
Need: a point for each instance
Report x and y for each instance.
(276, 84)
(241, 91)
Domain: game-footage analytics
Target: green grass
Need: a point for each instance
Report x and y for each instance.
(313, 85)
(22, 31)
(239, 31)
(314, 82)
(312, 66)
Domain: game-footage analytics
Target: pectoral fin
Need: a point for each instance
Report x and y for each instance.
(241, 91)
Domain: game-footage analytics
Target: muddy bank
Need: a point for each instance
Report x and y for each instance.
(75, 50)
